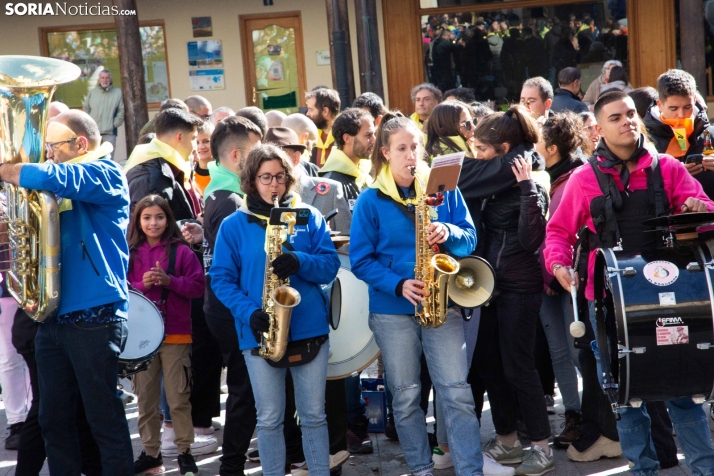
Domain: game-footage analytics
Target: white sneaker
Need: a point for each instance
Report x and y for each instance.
(442, 460)
(216, 424)
(491, 468)
(202, 445)
(203, 431)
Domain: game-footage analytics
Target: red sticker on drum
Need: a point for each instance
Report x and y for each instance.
(661, 273)
(673, 335)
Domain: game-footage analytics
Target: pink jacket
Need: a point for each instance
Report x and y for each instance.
(187, 282)
(574, 209)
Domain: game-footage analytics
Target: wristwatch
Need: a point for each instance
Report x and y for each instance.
(556, 267)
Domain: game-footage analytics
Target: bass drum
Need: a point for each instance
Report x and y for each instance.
(144, 337)
(661, 342)
(353, 347)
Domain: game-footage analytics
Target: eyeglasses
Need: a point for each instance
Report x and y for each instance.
(468, 125)
(50, 146)
(527, 102)
(267, 179)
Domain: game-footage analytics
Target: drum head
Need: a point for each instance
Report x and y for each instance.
(146, 328)
(352, 346)
(335, 304)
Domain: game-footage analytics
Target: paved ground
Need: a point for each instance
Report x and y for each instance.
(387, 460)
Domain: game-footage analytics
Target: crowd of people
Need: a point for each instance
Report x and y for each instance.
(186, 223)
(494, 52)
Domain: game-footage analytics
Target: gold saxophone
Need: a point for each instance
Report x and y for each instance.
(279, 298)
(31, 216)
(432, 268)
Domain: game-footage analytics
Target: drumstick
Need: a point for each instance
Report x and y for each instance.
(577, 328)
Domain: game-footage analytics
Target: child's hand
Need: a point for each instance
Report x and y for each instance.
(148, 279)
(160, 277)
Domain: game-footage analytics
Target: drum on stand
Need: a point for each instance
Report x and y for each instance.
(662, 344)
(353, 347)
(145, 335)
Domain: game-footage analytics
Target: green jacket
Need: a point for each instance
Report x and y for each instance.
(106, 107)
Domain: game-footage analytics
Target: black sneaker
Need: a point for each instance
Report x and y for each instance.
(148, 464)
(358, 440)
(390, 429)
(12, 441)
(571, 430)
(253, 456)
(187, 465)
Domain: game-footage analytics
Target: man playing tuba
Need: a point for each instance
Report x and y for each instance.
(77, 350)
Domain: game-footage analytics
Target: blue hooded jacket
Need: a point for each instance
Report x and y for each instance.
(383, 244)
(94, 254)
(238, 270)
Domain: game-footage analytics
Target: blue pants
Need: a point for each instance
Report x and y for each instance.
(74, 359)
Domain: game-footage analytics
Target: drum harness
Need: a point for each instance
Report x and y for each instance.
(170, 270)
(608, 214)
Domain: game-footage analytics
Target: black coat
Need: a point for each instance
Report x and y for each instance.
(514, 223)
(662, 135)
(159, 177)
(564, 100)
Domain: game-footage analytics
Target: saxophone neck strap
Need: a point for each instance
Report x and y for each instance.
(253, 218)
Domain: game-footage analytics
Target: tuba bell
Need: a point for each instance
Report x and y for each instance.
(31, 217)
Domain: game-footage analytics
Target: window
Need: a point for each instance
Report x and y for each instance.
(494, 51)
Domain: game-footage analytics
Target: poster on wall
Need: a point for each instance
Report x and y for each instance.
(94, 49)
(205, 63)
(202, 26)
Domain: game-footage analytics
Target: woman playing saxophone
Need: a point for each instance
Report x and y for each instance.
(238, 272)
(382, 253)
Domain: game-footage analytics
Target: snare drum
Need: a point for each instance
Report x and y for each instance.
(663, 345)
(145, 335)
(353, 347)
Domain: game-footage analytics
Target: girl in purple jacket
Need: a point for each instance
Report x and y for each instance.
(152, 234)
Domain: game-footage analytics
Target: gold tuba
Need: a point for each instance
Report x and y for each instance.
(279, 298)
(432, 268)
(32, 219)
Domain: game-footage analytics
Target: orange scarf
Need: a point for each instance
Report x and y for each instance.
(682, 129)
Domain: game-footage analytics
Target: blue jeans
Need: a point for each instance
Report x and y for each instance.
(269, 391)
(401, 340)
(355, 403)
(74, 359)
(470, 336)
(556, 315)
(688, 419)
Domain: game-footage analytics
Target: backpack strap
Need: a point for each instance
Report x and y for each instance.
(171, 270)
(606, 224)
(655, 185)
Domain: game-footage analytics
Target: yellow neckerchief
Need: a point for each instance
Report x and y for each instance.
(154, 149)
(415, 117)
(105, 149)
(268, 227)
(339, 162)
(386, 184)
(461, 143)
(324, 145)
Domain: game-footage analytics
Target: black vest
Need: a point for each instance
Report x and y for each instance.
(618, 216)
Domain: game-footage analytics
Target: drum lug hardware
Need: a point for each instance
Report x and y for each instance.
(628, 272)
(616, 411)
(635, 350)
(694, 267)
(699, 399)
(704, 345)
(635, 402)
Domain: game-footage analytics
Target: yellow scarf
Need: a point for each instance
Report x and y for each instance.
(386, 184)
(415, 117)
(324, 145)
(154, 149)
(339, 162)
(461, 143)
(104, 149)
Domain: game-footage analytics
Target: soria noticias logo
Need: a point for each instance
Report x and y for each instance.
(61, 8)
